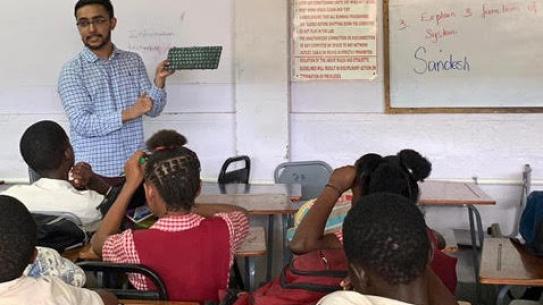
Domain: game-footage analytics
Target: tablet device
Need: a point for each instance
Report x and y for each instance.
(139, 214)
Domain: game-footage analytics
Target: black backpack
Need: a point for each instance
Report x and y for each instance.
(59, 232)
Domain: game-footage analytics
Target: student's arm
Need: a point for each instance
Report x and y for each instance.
(155, 90)
(84, 177)
(107, 297)
(209, 210)
(309, 235)
(112, 221)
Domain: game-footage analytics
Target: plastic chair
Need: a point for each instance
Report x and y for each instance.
(110, 268)
(236, 176)
(68, 215)
(312, 175)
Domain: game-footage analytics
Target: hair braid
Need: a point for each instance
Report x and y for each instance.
(176, 175)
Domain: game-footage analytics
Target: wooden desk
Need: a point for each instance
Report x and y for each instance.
(447, 193)
(293, 191)
(149, 302)
(253, 246)
(452, 193)
(255, 204)
(507, 263)
(259, 199)
(504, 262)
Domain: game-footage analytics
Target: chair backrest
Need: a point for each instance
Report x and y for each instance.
(236, 176)
(110, 268)
(312, 175)
(68, 215)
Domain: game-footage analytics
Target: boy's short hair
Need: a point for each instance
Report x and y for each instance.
(105, 3)
(386, 234)
(175, 172)
(43, 145)
(17, 238)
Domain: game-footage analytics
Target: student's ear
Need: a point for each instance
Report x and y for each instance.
(112, 23)
(199, 189)
(69, 153)
(150, 192)
(359, 281)
(430, 254)
(152, 197)
(34, 255)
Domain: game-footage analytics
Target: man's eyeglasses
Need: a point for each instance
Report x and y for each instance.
(85, 23)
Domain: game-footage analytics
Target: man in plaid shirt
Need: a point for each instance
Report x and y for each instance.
(105, 92)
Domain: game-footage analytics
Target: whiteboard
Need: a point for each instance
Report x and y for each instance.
(447, 55)
(38, 37)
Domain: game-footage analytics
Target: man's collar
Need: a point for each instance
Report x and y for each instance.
(89, 55)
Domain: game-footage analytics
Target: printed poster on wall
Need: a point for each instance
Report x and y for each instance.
(334, 39)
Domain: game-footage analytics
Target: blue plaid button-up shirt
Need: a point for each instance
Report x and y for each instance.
(94, 92)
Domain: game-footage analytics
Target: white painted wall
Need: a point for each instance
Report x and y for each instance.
(266, 117)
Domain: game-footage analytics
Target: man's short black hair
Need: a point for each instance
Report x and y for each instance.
(43, 145)
(105, 3)
(386, 234)
(17, 238)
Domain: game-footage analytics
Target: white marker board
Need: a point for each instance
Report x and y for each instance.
(464, 55)
(38, 37)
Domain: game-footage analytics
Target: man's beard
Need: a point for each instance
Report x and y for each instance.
(105, 41)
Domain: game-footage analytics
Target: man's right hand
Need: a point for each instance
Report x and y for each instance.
(143, 105)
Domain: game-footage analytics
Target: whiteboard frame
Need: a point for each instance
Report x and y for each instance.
(390, 109)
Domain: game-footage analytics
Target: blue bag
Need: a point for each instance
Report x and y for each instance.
(531, 222)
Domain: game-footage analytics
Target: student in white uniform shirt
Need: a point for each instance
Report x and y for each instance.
(385, 240)
(17, 250)
(45, 147)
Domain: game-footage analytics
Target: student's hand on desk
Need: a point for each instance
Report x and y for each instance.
(162, 72)
(343, 178)
(133, 169)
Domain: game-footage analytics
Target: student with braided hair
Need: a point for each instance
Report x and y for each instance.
(372, 173)
(388, 251)
(191, 246)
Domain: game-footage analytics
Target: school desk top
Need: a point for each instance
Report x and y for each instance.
(452, 193)
(258, 199)
(254, 245)
(293, 191)
(504, 262)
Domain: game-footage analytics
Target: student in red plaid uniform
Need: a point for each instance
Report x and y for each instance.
(191, 246)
